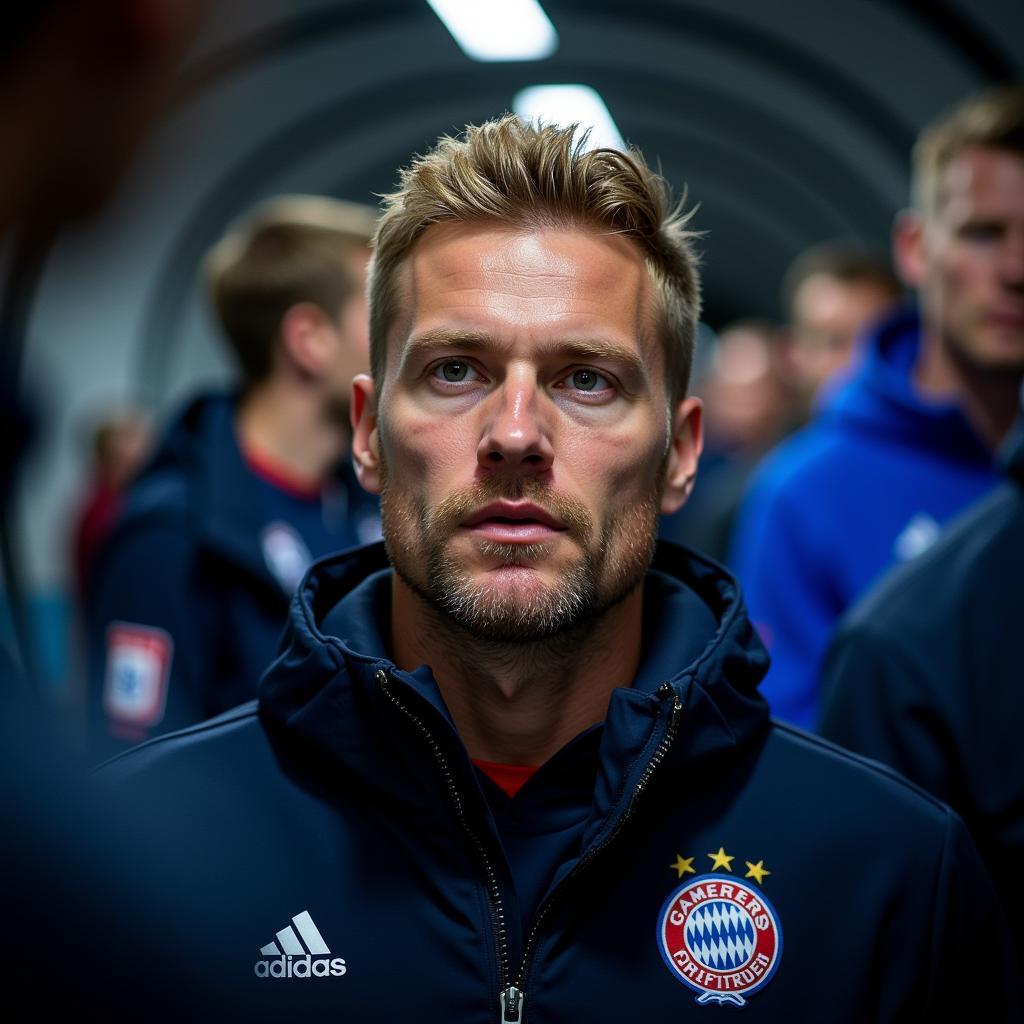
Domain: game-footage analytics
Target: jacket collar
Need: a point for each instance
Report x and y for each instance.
(331, 695)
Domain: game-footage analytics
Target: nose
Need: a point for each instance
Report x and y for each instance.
(517, 434)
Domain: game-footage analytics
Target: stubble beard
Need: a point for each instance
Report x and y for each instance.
(514, 611)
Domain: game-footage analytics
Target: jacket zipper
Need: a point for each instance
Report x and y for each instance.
(490, 875)
(664, 691)
(511, 997)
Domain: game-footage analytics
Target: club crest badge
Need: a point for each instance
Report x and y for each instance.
(721, 937)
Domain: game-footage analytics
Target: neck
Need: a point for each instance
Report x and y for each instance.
(989, 398)
(282, 423)
(519, 703)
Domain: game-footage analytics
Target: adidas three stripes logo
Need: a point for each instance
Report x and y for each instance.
(299, 952)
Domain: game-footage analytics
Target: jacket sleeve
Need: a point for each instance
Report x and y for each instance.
(145, 626)
(877, 701)
(784, 574)
(975, 968)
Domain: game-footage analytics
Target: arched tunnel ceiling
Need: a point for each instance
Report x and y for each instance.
(788, 121)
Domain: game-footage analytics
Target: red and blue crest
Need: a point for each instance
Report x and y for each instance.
(721, 937)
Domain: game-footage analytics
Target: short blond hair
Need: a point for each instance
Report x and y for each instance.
(289, 249)
(524, 176)
(993, 119)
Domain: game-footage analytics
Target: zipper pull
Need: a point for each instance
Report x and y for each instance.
(511, 1005)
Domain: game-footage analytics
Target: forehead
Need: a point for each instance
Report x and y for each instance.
(983, 181)
(521, 284)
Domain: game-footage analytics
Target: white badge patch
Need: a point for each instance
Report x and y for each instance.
(286, 555)
(138, 668)
(916, 537)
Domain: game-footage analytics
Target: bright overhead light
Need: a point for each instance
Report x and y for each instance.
(570, 104)
(499, 29)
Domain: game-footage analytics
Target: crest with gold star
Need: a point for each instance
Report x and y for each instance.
(717, 932)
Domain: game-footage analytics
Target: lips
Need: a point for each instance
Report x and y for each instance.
(513, 522)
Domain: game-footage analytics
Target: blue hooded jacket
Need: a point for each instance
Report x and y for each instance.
(868, 483)
(684, 852)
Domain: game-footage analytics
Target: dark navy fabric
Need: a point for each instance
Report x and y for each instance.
(925, 674)
(346, 794)
(189, 556)
(867, 483)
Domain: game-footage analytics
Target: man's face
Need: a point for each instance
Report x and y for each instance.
(524, 433)
(828, 316)
(971, 268)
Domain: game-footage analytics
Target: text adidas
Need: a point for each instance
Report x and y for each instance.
(300, 967)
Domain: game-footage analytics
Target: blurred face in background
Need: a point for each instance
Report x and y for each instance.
(967, 260)
(829, 314)
(748, 404)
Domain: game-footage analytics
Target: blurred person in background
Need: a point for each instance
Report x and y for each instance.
(749, 407)
(119, 447)
(925, 672)
(80, 83)
(833, 293)
(190, 593)
(908, 440)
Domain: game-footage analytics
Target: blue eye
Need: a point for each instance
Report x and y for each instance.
(454, 371)
(588, 380)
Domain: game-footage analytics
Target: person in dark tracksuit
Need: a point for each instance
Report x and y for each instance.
(512, 765)
(188, 598)
(925, 673)
(906, 442)
(68, 872)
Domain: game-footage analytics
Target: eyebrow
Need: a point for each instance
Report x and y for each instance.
(582, 349)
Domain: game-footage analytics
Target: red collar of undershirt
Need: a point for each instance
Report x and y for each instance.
(510, 778)
(281, 477)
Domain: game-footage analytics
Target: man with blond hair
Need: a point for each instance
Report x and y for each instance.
(511, 765)
(908, 440)
(190, 594)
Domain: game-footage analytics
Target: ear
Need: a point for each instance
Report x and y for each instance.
(365, 441)
(908, 247)
(687, 442)
(308, 338)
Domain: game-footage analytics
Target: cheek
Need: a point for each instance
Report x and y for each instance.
(963, 274)
(615, 467)
(424, 448)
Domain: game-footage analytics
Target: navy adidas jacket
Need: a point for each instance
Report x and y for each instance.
(866, 484)
(685, 857)
(925, 674)
(184, 608)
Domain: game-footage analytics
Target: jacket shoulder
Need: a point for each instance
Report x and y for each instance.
(236, 736)
(868, 793)
(160, 496)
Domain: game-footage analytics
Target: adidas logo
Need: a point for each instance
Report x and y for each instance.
(292, 959)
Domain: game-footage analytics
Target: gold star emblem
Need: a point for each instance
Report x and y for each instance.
(756, 871)
(721, 860)
(684, 865)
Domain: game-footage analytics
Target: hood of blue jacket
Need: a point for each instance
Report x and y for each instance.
(333, 689)
(877, 398)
